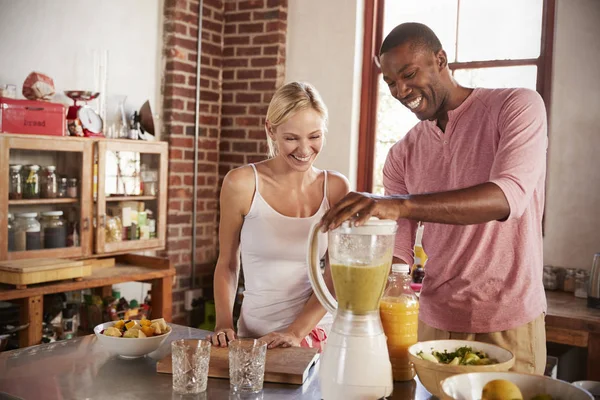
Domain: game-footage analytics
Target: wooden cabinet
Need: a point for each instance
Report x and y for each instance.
(92, 163)
(155, 157)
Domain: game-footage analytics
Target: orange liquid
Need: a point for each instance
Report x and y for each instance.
(400, 319)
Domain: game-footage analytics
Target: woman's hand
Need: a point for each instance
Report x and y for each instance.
(222, 336)
(281, 339)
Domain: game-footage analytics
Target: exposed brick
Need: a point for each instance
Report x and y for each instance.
(257, 134)
(264, 62)
(235, 62)
(251, 4)
(231, 40)
(234, 110)
(233, 133)
(248, 51)
(248, 98)
(260, 15)
(237, 85)
(271, 50)
(247, 121)
(237, 17)
(258, 110)
(249, 74)
(257, 27)
(270, 73)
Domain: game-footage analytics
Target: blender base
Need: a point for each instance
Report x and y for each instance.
(355, 367)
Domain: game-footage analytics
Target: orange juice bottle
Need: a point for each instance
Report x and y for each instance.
(399, 311)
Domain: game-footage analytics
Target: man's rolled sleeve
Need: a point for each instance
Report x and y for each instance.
(520, 160)
(393, 183)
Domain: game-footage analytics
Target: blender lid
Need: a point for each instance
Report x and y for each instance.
(374, 226)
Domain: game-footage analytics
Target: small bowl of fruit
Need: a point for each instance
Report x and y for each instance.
(132, 338)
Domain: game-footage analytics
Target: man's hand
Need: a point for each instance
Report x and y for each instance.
(281, 339)
(221, 337)
(359, 207)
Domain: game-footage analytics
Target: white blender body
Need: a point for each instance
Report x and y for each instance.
(355, 363)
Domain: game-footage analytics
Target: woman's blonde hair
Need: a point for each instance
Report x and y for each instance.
(288, 100)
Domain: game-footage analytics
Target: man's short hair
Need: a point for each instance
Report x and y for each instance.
(419, 35)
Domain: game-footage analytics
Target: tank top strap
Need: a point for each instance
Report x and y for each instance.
(255, 177)
(325, 188)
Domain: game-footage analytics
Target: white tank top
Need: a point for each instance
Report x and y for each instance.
(273, 252)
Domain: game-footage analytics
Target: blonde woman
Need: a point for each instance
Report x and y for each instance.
(267, 210)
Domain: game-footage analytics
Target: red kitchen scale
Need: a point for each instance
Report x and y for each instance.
(82, 120)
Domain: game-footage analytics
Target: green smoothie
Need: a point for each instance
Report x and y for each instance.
(359, 288)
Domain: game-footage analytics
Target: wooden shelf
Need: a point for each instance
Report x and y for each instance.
(35, 202)
(129, 198)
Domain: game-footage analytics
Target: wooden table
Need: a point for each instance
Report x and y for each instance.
(129, 268)
(569, 321)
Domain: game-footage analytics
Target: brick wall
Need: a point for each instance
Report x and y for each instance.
(242, 62)
(253, 67)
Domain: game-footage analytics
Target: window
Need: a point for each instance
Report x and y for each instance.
(490, 43)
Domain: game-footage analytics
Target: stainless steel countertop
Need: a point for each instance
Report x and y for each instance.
(82, 369)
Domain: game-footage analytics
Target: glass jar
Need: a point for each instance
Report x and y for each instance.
(11, 233)
(54, 230)
(62, 188)
(50, 183)
(31, 185)
(72, 189)
(15, 192)
(569, 281)
(399, 312)
(550, 278)
(27, 232)
(581, 283)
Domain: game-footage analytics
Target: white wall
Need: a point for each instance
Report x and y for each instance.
(57, 38)
(573, 195)
(324, 47)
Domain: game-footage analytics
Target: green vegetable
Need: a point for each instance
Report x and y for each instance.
(461, 356)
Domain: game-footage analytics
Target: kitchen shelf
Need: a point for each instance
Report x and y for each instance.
(35, 202)
(129, 198)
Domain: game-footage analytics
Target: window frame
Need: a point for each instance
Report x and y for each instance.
(373, 37)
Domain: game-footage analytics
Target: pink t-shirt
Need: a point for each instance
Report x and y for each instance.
(485, 277)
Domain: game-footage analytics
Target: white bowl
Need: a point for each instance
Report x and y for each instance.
(469, 386)
(129, 347)
(591, 386)
(431, 374)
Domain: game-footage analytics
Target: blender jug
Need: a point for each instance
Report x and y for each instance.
(355, 363)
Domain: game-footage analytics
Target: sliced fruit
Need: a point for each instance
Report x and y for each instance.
(130, 325)
(148, 330)
(501, 389)
(145, 322)
(112, 331)
(119, 324)
(157, 329)
(161, 322)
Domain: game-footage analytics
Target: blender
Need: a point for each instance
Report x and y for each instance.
(355, 363)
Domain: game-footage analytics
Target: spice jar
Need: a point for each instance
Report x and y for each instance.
(54, 230)
(569, 281)
(15, 191)
(31, 186)
(550, 278)
(72, 189)
(581, 283)
(50, 183)
(62, 188)
(11, 233)
(27, 232)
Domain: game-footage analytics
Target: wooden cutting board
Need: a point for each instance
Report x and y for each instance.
(30, 271)
(39, 264)
(289, 365)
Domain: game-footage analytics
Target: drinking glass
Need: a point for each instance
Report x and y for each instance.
(190, 365)
(247, 365)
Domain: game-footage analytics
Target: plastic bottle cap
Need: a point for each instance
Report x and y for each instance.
(401, 268)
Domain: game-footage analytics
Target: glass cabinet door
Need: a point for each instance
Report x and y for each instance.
(45, 197)
(131, 196)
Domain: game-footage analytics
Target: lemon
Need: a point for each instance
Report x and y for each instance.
(501, 389)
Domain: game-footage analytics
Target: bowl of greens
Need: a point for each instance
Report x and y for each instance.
(437, 360)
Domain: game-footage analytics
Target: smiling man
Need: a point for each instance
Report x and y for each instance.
(473, 170)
